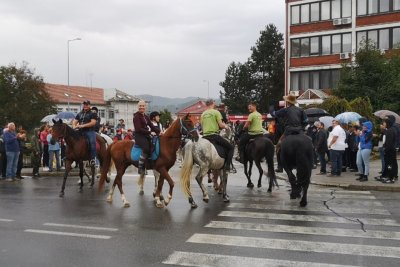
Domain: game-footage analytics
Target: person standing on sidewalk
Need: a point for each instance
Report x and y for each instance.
(45, 146)
(352, 142)
(364, 151)
(390, 173)
(36, 153)
(321, 146)
(22, 147)
(54, 149)
(337, 145)
(12, 151)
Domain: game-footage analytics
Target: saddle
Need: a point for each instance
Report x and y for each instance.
(220, 149)
(155, 150)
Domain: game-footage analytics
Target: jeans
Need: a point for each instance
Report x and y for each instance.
(336, 159)
(57, 154)
(363, 159)
(382, 156)
(12, 163)
(91, 136)
(322, 161)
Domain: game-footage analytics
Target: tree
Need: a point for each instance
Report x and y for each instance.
(23, 99)
(362, 105)
(335, 105)
(164, 116)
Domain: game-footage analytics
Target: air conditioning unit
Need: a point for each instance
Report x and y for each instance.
(344, 55)
(346, 20)
(337, 22)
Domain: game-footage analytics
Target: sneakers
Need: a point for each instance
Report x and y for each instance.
(92, 163)
(321, 173)
(364, 178)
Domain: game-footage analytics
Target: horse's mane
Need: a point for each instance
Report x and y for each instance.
(71, 132)
(168, 132)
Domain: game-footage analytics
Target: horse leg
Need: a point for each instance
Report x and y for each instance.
(199, 179)
(165, 175)
(111, 193)
(225, 182)
(303, 201)
(295, 193)
(260, 171)
(118, 180)
(156, 179)
(157, 195)
(93, 170)
(67, 170)
(141, 183)
(249, 183)
(81, 176)
(271, 173)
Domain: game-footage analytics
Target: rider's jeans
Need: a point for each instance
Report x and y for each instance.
(91, 135)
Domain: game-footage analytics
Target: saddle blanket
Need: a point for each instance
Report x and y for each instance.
(137, 151)
(220, 149)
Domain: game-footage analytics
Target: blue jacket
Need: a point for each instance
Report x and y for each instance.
(52, 147)
(366, 136)
(11, 141)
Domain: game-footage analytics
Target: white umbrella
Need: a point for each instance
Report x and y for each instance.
(327, 121)
(48, 118)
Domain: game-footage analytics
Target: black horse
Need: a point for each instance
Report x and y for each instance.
(257, 149)
(296, 152)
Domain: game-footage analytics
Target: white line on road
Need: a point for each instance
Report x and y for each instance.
(297, 245)
(302, 218)
(203, 259)
(305, 230)
(6, 220)
(327, 196)
(67, 234)
(294, 206)
(81, 227)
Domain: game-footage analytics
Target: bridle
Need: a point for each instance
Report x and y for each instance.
(63, 131)
(185, 132)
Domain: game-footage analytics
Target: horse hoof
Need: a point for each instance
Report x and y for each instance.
(259, 185)
(141, 192)
(206, 200)
(269, 190)
(108, 179)
(80, 190)
(127, 205)
(226, 199)
(61, 194)
(193, 205)
(303, 203)
(161, 197)
(250, 185)
(159, 205)
(109, 200)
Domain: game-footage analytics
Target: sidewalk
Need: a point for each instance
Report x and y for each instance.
(348, 180)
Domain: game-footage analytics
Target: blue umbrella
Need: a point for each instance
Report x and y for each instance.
(66, 115)
(347, 117)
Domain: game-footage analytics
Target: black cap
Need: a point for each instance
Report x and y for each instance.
(154, 114)
(86, 102)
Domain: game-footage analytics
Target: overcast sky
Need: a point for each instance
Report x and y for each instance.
(159, 47)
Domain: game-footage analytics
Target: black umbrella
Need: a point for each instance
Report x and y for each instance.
(316, 112)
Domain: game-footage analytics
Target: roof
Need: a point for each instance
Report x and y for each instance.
(196, 108)
(74, 94)
(122, 96)
(313, 94)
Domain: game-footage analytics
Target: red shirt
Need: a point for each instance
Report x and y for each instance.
(43, 137)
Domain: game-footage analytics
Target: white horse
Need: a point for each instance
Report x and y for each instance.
(204, 154)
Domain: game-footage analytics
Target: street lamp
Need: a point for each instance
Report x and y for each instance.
(208, 88)
(69, 89)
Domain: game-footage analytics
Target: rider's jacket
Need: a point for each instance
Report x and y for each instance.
(293, 117)
(142, 124)
(84, 117)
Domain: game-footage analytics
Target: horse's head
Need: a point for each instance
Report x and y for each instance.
(187, 128)
(59, 129)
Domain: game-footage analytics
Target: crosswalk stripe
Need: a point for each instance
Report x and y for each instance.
(294, 206)
(297, 245)
(318, 191)
(329, 196)
(67, 234)
(81, 227)
(363, 203)
(308, 218)
(204, 259)
(305, 230)
(6, 220)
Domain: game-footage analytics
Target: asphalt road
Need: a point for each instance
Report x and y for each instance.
(37, 228)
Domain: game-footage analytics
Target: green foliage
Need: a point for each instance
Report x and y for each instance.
(335, 105)
(23, 99)
(260, 79)
(164, 116)
(362, 105)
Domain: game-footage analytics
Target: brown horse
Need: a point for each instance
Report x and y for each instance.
(77, 150)
(170, 141)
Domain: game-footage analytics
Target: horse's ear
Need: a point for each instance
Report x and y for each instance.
(59, 120)
(53, 121)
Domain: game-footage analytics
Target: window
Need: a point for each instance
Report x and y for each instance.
(362, 7)
(325, 76)
(384, 5)
(305, 47)
(373, 37)
(335, 79)
(326, 10)
(396, 38)
(336, 44)
(346, 42)
(335, 9)
(295, 52)
(396, 4)
(111, 114)
(384, 39)
(305, 13)
(305, 80)
(326, 45)
(372, 6)
(361, 39)
(294, 80)
(295, 14)
(320, 79)
(102, 113)
(314, 46)
(315, 12)
(346, 8)
(314, 80)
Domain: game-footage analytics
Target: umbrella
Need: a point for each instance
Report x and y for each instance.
(347, 117)
(327, 121)
(66, 115)
(383, 113)
(48, 118)
(316, 112)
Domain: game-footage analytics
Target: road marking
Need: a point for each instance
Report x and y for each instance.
(296, 245)
(325, 196)
(305, 230)
(318, 190)
(294, 206)
(203, 259)
(302, 218)
(6, 220)
(67, 234)
(81, 227)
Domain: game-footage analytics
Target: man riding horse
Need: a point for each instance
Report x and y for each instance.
(142, 124)
(254, 130)
(85, 121)
(211, 122)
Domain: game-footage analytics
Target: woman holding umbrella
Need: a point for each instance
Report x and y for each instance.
(364, 151)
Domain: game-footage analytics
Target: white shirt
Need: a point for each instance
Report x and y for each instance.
(340, 143)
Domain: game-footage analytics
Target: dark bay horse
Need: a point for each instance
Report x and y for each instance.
(120, 154)
(77, 150)
(297, 153)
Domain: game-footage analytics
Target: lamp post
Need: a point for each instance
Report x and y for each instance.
(208, 88)
(69, 89)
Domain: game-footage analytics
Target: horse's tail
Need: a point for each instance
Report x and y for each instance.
(269, 156)
(187, 166)
(107, 162)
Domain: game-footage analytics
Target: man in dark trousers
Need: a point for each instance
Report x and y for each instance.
(390, 173)
(321, 145)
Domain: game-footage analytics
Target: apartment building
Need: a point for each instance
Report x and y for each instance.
(322, 35)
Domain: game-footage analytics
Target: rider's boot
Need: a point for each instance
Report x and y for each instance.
(92, 162)
(141, 166)
(227, 165)
(240, 156)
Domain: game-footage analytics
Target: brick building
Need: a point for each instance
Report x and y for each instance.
(322, 35)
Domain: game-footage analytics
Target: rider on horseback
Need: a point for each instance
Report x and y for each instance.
(211, 122)
(254, 129)
(142, 124)
(85, 121)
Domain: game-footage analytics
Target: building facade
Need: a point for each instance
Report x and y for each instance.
(323, 35)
